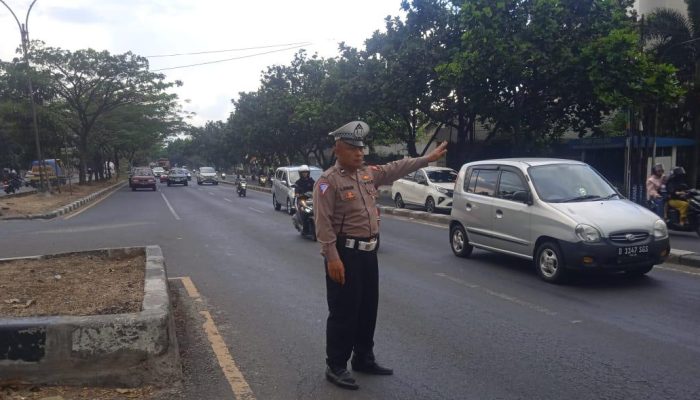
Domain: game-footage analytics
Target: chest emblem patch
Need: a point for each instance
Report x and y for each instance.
(349, 196)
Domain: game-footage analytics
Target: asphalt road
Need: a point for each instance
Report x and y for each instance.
(482, 328)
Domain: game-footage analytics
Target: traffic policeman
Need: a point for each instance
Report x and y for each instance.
(346, 227)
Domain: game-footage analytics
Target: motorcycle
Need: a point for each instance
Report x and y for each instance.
(241, 188)
(223, 176)
(303, 218)
(11, 185)
(673, 216)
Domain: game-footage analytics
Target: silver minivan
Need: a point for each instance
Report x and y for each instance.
(282, 189)
(562, 214)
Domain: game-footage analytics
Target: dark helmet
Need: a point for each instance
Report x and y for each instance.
(678, 171)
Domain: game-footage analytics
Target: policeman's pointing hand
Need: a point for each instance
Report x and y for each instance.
(439, 151)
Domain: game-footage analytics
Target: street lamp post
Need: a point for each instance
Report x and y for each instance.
(24, 32)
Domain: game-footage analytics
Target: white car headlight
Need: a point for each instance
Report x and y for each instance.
(441, 189)
(660, 230)
(587, 233)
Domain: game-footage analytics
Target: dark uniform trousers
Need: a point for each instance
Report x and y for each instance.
(352, 307)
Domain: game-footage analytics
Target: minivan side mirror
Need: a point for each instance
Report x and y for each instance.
(523, 196)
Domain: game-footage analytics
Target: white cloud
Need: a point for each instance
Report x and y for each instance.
(179, 26)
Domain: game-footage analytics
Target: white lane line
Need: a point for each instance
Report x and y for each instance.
(677, 270)
(177, 217)
(211, 193)
(256, 210)
(229, 200)
(500, 295)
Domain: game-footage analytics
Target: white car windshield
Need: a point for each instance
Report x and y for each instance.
(206, 170)
(442, 176)
(561, 183)
(294, 175)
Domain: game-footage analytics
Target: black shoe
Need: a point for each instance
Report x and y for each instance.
(341, 377)
(370, 367)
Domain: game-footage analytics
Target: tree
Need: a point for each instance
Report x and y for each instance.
(93, 84)
(675, 39)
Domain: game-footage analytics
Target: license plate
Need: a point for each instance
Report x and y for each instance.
(633, 251)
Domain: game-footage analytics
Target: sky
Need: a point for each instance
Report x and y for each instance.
(157, 27)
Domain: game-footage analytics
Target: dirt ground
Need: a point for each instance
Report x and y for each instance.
(72, 285)
(40, 203)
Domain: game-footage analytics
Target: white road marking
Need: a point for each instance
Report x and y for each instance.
(256, 210)
(229, 200)
(177, 217)
(500, 295)
(677, 270)
(211, 193)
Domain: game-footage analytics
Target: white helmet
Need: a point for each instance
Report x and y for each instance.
(304, 168)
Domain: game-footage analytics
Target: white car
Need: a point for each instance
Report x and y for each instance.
(282, 190)
(429, 187)
(207, 175)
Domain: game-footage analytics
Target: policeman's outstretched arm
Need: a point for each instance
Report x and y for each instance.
(324, 206)
(388, 173)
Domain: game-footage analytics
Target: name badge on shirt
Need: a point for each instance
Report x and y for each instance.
(349, 196)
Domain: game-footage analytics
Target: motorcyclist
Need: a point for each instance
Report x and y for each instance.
(304, 184)
(677, 187)
(655, 185)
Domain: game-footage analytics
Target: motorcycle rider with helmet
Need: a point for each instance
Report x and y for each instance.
(677, 187)
(304, 184)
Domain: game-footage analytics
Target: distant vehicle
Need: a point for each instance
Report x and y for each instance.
(282, 185)
(142, 177)
(53, 171)
(163, 163)
(158, 171)
(561, 214)
(206, 175)
(177, 176)
(163, 177)
(188, 173)
(429, 187)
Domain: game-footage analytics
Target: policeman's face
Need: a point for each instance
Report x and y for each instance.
(350, 157)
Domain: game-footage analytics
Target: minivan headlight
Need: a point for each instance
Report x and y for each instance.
(660, 230)
(587, 233)
(441, 189)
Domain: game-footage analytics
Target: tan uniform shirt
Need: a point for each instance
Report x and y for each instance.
(345, 203)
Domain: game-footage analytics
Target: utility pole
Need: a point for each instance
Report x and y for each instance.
(24, 32)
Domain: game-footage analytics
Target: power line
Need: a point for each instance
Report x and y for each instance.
(229, 59)
(228, 50)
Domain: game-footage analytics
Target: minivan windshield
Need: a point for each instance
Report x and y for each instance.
(442, 176)
(294, 175)
(206, 170)
(562, 183)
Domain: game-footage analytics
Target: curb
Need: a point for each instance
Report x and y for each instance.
(251, 187)
(70, 207)
(678, 257)
(118, 349)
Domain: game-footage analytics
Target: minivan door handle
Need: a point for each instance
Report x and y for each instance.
(499, 214)
(469, 206)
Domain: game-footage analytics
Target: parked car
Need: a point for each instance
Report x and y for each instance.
(429, 187)
(142, 177)
(177, 176)
(561, 214)
(282, 190)
(206, 175)
(158, 171)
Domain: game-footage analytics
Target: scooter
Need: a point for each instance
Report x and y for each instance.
(11, 185)
(223, 176)
(673, 216)
(303, 220)
(241, 189)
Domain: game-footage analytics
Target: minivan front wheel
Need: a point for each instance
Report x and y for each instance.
(550, 263)
(459, 243)
(398, 201)
(430, 205)
(275, 203)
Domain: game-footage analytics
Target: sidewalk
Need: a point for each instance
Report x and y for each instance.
(679, 257)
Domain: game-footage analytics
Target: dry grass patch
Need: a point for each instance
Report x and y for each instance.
(40, 203)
